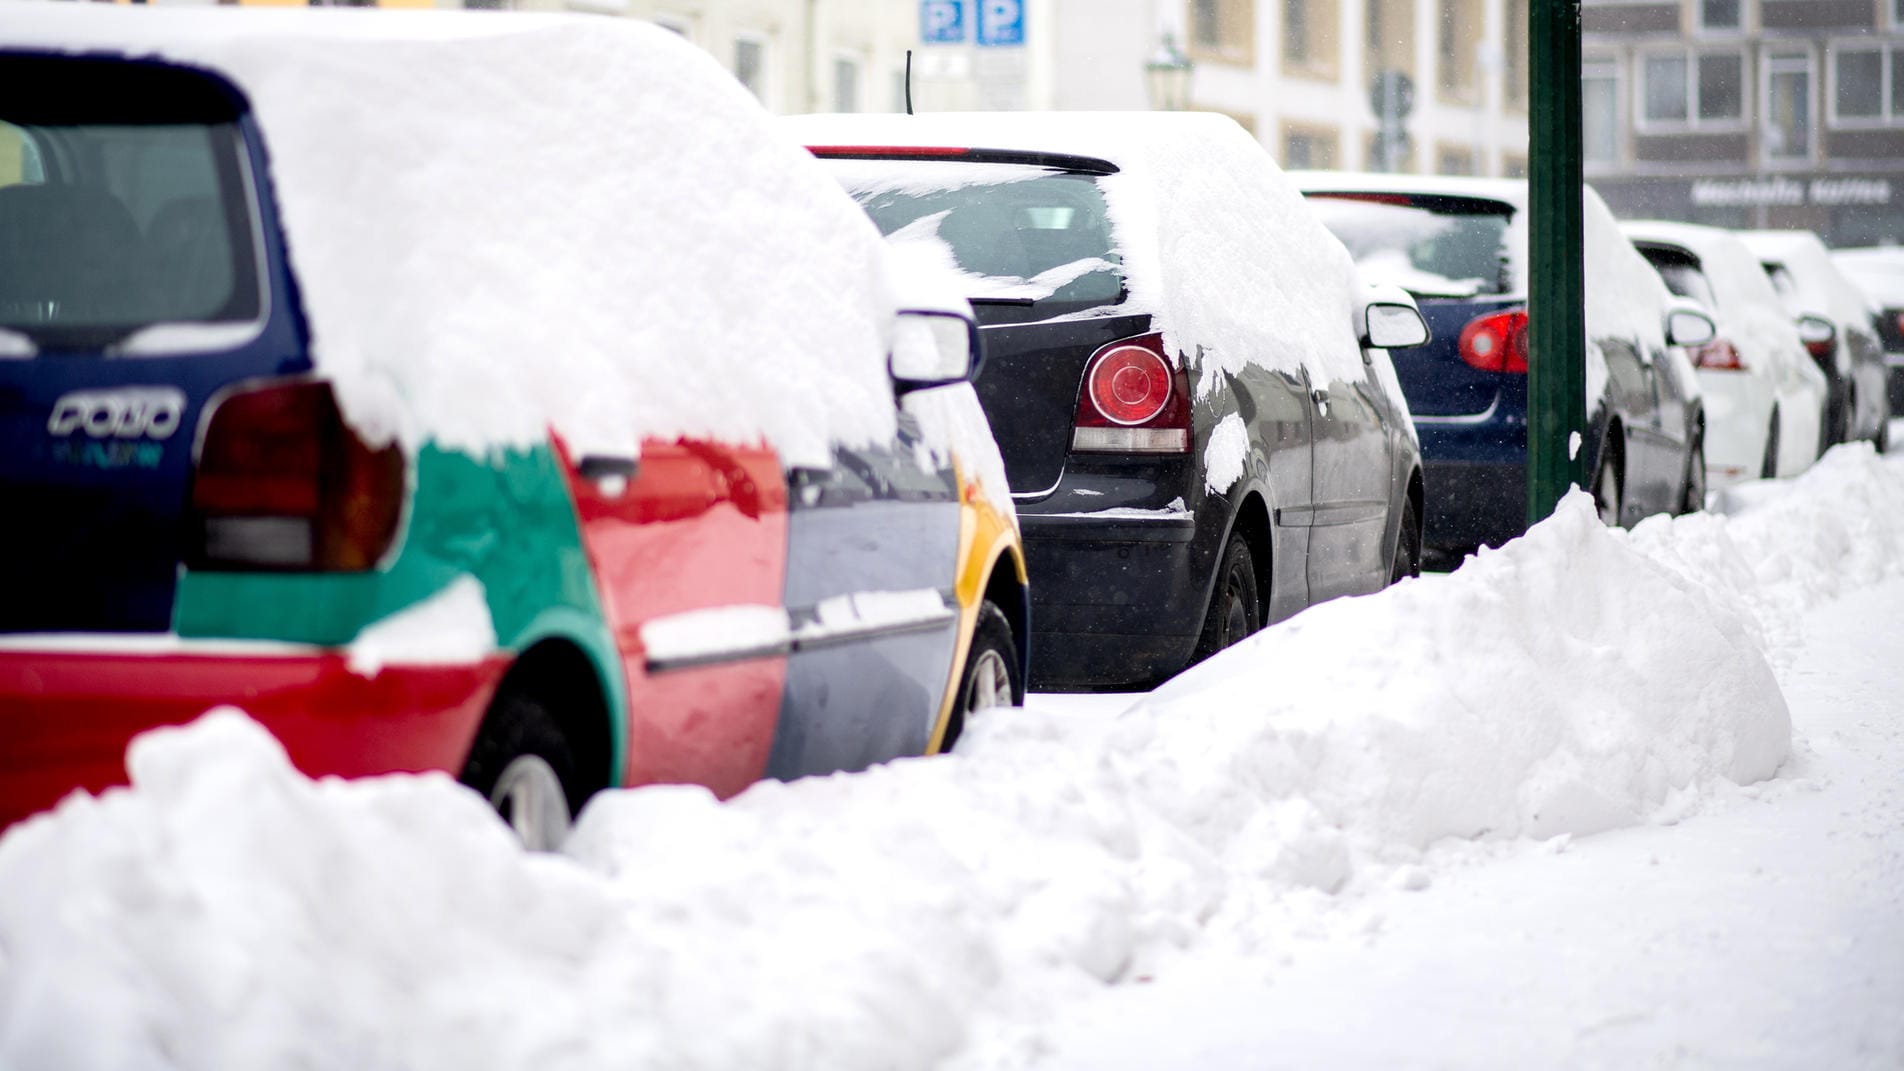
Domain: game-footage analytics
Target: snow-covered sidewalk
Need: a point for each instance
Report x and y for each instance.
(1595, 798)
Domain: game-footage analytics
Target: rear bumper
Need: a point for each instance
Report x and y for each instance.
(1474, 480)
(67, 714)
(1117, 601)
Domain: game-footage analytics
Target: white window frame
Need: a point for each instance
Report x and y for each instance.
(1699, 21)
(1616, 63)
(1770, 65)
(1886, 49)
(767, 97)
(1691, 122)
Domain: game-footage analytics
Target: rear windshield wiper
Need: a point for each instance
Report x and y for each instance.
(1018, 302)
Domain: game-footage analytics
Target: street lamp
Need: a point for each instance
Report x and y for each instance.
(1167, 76)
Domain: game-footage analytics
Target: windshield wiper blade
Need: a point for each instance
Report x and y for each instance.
(1019, 302)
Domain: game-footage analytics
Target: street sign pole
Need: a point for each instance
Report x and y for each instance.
(1556, 320)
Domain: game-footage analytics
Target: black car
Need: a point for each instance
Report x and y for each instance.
(1175, 492)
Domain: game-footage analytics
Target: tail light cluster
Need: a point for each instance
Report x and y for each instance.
(1496, 342)
(283, 483)
(1719, 355)
(1821, 350)
(1132, 401)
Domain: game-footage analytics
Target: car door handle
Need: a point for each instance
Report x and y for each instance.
(599, 467)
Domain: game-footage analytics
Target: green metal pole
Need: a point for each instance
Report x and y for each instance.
(1556, 320)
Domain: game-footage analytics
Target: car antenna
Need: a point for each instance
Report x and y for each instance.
(909, 81)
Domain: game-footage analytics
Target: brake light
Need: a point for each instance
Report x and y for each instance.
(1821, 350)
(1132, 401)
(1496, 342)
(282, 483)
(1719, 355)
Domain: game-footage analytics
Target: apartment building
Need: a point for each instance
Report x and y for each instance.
(1303, 75)
(1749, 113)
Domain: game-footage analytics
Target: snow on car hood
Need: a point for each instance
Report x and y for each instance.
(504, 223)
(1215, 242)
(226, 912)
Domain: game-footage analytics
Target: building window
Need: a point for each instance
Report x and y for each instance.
(1453, 160)
(1225, 29)
(1787, 134)
(1600, 111)
(1458, 32)
(1694, 90)
(1867, 85)
(1719, 14)
(1391, 37)
(1309, 36)
(1308, 147)
(1516, 58)
(1513, 166)
(750, 65)
(845, 84)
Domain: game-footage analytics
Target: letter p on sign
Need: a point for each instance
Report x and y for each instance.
(1001, 22)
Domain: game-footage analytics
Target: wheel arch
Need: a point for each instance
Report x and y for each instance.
(1251, 520)
(559, 671)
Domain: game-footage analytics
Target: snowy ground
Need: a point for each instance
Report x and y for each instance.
(1596, 799)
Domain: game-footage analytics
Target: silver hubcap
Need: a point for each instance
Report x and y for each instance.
(991, 683)
(529, 796)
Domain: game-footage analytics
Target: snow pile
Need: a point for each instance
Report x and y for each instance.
(226, 912)
(1215, 241)
(504, 223)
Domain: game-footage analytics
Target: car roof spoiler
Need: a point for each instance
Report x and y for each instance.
(1088, 165)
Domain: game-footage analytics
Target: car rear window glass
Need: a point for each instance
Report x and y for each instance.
(1017, 234)
(1681, 274)
(1431, 246)
(123, 203)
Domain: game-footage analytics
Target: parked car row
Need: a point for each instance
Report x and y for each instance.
(1879, 271)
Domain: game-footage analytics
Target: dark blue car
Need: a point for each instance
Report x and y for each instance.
(1460, 247)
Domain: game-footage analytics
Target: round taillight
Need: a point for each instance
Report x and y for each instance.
(1129, 385)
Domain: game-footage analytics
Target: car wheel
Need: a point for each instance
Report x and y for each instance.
(991, 677)
(1407, 544)
(1694, 498)
(1882, 440)
(1235, 609)
(1770, 468)
(522, 764)
(1606, 490)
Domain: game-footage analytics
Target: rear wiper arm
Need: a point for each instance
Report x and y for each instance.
(1019, 302)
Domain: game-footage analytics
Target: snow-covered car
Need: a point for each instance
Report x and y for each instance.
(1879, 270)
(1200, 425)
(608, 463)
(1459, 245)
(1834, 319)
(1765, 397)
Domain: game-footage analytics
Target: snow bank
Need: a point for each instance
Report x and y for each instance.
(503, 223)
(225, 912)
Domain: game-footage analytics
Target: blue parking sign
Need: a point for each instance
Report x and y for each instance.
(942, 22)
(1001, 22)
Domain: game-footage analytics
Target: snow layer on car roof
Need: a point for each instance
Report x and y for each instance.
(1216, 242)
(1749, 312)
(1879, 270)
(502, 224)
(1821, 288)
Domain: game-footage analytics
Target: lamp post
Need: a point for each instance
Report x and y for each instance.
(1167, 76)
(1556, 328)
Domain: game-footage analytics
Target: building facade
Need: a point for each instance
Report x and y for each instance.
(1749, 113)
(1421, 86)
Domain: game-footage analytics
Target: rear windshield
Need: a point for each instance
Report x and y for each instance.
(1020, 236)
(1681, 274)
(122, 203)
(1431, 246)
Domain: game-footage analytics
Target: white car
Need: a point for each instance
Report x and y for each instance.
(1835, 320)
(1765, 398)
(1880, 271)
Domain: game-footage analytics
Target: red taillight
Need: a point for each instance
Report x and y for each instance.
(1821, 350)
(283, 483)
(1496, 342)
(1132, 401)
(1719, 355)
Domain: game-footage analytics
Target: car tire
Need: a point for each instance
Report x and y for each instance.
(1235, 605)
(523, 765)
(1769, 469)
(1693, 498)
(1608, 487)
(1407, 544)
(991, 677)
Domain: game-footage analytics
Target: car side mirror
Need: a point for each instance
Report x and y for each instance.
(933, 348)
(1394, 326)
(1816, 330)
(1688, 326)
